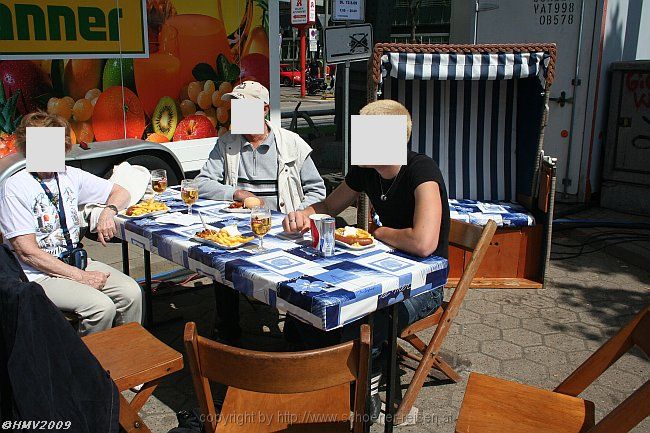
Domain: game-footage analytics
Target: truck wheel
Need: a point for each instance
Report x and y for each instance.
(152, 163)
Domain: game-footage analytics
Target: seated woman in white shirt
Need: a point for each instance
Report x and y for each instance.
(40, 221)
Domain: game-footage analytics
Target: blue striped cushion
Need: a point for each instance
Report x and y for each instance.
(505, 214)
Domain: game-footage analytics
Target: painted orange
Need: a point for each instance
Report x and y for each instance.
(156, 137)
(81, 75)
(111, 111)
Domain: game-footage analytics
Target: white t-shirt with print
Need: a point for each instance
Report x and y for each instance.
(25, 209)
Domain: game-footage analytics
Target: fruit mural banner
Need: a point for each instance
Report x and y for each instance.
(197, 50)
(41, 29)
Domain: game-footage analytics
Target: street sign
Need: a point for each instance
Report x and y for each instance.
(313, 34)
(303, 12)
(348, 43)
(313, 45)
(349, 10)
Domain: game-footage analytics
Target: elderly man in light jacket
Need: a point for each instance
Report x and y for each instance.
(274, 166)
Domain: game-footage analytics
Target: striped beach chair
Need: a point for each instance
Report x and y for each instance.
(480, 111)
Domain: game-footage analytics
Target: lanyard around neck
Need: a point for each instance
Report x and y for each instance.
(57, 202)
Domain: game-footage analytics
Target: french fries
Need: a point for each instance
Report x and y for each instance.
(222, 237)
(145, 207)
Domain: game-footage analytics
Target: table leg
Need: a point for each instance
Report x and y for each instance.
(366, 422)
(392, 375)
(148, 313)
(125, 258)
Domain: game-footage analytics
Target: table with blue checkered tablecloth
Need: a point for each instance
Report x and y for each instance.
(325, 292)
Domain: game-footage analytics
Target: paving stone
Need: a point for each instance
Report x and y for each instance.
(634, 362)
(479, 331)
(519, 310)
(559, 315)
(500, 349)
(538, 301)
(543, 326)
(522, 337)
(545, 355)
(481, 306)
(524, 371)
(461, 344)
(483, 363)
(501, 321)
(467, 316)
(566, 343)
(577, 358)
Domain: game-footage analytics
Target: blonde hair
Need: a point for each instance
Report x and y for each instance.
(41, 119)
(388, 107)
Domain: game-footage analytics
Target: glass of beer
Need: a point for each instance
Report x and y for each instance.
(159, 180)
(189, 193)
(260, 224)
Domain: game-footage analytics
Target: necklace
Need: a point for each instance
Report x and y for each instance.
(384, 195)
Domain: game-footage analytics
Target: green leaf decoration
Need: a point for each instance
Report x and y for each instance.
(226, 71)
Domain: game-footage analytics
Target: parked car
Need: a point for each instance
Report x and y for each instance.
(288, 75)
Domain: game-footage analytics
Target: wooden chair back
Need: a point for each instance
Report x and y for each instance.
(476, 240)
(468, 237)
(276, 373)
(635, 408)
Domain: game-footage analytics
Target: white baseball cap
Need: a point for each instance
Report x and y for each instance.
(248, 90)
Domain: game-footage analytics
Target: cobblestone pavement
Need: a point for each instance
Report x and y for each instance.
(535, 337)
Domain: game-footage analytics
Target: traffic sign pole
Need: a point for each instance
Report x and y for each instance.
(303, 49)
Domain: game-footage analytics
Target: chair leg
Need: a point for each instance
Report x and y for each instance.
(439, 364)
(143, 395)
(130, 421)
(446, 369)
(415, 341)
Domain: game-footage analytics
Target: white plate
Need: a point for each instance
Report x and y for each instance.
(217, 245)
(236, 210)
(350, 247)
(146, 215)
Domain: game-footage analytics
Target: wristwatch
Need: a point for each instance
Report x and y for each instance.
(113, 207)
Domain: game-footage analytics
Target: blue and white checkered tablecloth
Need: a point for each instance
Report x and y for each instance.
(325, 292)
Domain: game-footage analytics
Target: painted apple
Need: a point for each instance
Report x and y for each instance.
(30, 79)
(193, 127)
(255, 66)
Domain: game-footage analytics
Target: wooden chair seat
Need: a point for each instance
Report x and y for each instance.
(494, 405)
(132, 355)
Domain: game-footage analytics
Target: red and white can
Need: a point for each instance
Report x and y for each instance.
(316, 226)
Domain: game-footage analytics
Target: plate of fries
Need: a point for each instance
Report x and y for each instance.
(236, 207)
(227, 238)
(147, 208)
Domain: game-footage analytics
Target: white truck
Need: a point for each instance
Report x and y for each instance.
(590, 35)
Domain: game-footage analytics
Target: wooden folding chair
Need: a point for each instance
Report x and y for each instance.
(280, 392)
(471, 238)
(133, 356)
(495, 405)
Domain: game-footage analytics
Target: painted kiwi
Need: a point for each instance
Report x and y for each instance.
(165, 117)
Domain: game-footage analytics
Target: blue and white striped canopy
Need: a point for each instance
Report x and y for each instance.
(465, 66)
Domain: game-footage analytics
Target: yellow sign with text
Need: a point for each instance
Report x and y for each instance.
(45, 29)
